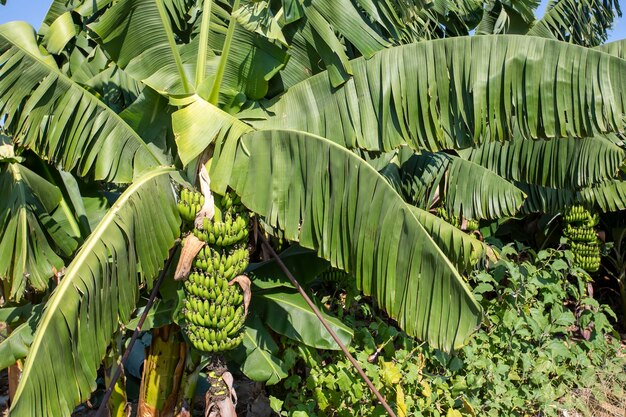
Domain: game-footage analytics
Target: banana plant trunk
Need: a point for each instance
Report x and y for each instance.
(162, 373)
(14, 371)
(189, 383)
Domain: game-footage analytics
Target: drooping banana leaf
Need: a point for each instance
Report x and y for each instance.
(149, 51)
(60, 32)
(463, 250)
(581, 22)
(31, 240)
(470, 190)
(99, 289)
(82, 7)
(138, 35)
(617, 48)
(507, 17)
(257, 353)
(17, 344)
(285, 312)
(557, 163)
(330, 200)
(606, 197)
(454, 93)
(58, 119)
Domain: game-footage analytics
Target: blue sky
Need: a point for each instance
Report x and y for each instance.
(33, 12)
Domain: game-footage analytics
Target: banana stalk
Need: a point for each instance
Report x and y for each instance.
(162, 374)
(189, 383)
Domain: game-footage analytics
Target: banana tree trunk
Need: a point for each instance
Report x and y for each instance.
(189, 383)
(162, 373)
(14, 371)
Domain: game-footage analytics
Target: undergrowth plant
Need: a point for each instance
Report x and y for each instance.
(543, 340)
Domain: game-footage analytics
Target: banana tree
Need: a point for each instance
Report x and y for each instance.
(283, 96)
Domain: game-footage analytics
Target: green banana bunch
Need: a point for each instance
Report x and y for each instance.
(335, 276)
(579, 214)
(472, 225)
(580, 233)
(227, 262)
(189, 204)
(213, 309)
(453, 220)
(224, 233)
(582, 237)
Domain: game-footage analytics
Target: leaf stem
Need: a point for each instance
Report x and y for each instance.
(170, 40)
(204, 38)
(219, 75)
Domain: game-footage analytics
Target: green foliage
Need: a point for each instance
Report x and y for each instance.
(113, 91)
(543, 336)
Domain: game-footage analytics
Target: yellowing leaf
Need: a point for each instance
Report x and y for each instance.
(453, 413)
(467, 407)
(402, 411)
(390, 373)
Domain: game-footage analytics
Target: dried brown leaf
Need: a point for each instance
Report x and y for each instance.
(191, 247)
(245, 283)
(208, 209)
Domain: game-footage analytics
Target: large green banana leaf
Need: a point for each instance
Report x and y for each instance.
(151, 50)
(285, 311)
(200, 124)
(99, 289)
(469, 190)
(58, 119)
(17, 343)
(606, 197)
(463, 250)
(452, 93)
(139, 37)
(82, 7)
(30, 237)
(617, 48)
(330, 200)
(257, 353)
(558, 163)
(507, 17)
(397, 22)
(581, 22)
